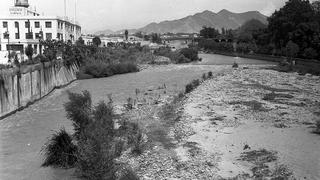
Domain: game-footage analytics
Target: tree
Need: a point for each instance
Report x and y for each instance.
(29, 52)
(146, 37)
(316, 6)
(96, 41)
(126, 33)
(155, 38)
(292, 49)
(283, 24)
(80, 41)
(209, 32)
(139, 34)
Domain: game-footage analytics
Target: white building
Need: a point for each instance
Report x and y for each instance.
(23, 27)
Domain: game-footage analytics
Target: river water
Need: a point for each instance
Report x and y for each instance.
(22, 135)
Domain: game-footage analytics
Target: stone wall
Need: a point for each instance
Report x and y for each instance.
(20, 87)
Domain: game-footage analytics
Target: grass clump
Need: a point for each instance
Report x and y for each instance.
(60, 151)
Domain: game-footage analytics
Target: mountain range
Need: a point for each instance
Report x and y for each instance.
(194, 23)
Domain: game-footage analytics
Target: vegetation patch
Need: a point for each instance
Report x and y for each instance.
(193, 149)
(272, 96)
(214, 120)
(280, 125)
(261, 169)
(267, 88)
(254, 105)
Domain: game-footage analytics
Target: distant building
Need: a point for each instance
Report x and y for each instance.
(24, 26)
(111, 39)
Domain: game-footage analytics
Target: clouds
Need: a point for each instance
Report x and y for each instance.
(119, 14)
(271, 6)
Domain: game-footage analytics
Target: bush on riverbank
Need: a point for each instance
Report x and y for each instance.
(185, 55)
(190, 53)
(111, 61)
(99, 69)
(98, 141)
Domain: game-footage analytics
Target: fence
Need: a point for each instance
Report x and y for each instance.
(20, 87)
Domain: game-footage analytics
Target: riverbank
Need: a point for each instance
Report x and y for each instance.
(302, 66)
(247, 123)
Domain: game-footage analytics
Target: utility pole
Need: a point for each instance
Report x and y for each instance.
(65, 8)
(75, 11)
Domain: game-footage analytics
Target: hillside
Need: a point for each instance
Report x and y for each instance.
(194, 23)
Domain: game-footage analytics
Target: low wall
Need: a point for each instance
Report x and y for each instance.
(18, 90)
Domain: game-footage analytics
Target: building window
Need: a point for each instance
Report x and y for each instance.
(37, 24)
(29, 35)
(27, 24)
(48, 36)
(48, 24)
(37, 35)
(5, 24)
(5, 36)
(16, 24)
(17, 36)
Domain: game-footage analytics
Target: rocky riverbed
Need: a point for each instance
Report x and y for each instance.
(245, 123)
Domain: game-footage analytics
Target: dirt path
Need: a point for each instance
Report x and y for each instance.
(249, 110)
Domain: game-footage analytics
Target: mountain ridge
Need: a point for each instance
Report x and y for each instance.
(194, 23)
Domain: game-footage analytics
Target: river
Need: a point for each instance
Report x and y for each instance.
(23, 134)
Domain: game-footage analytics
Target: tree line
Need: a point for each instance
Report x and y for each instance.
(292, 31)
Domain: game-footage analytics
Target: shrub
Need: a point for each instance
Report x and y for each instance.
(204, 76)
(100, 69)
(191, 86)
(235, 65)
(59, 151)
(78, 110)
(190, 53)
(176, 57)
(210, 75)
(97, 145)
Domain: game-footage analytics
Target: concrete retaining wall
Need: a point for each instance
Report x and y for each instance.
(18, 90)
